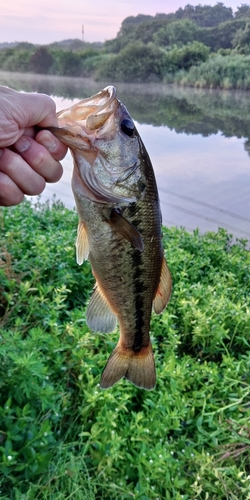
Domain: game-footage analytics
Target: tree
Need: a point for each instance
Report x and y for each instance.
(131, 22)
(136, 63)
(25, 46)
(18, 61)
(220, 37)
(41, 61)
(206, 15)
(177, 33)
(67, 63)
(242, 37)
(145, 32)
(242, 11)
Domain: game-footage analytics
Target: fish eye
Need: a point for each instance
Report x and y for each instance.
(127, 127)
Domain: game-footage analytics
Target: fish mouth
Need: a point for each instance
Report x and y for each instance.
(84, 122)
(84, 128)
(89, 115)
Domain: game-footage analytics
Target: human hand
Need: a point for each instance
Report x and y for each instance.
(27, 160)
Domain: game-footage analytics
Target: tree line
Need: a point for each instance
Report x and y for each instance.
(175, 47)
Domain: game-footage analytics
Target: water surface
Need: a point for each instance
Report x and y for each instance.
(198, 141)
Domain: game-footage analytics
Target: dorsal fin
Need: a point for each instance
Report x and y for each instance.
(126, 229)
(164, 289)
(99, 317)
(82, 244)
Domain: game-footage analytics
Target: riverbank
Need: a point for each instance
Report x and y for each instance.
(215, 71)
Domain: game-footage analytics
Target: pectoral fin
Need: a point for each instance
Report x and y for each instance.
(127, 230)
(82, 244)
(99, 316)
(163, 293)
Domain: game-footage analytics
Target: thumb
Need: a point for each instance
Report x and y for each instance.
(27, 109)
(37, 109)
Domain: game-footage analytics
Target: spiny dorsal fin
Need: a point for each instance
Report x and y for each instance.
(82, 244)
(99, 316)
(163, 293)
(127, 230)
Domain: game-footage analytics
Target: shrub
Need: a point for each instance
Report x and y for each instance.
(184, 57)
(231, 71)
(18, 61)
(135, 63)
(60, 435)
(67, 63)
(41, 61)
(92, 64)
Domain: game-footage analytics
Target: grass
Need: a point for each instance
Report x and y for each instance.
(223, 72)
(62, 437)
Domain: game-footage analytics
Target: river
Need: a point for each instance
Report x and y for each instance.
(198, 141)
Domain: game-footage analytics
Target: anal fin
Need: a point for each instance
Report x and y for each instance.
(164, 289)
(99, 317)
(82, 244)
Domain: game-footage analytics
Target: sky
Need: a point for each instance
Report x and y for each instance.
(46, 21)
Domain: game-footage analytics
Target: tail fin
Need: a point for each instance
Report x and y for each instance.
(138, 368)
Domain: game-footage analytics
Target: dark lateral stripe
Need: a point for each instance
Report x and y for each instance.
(134, 215)
(139, 301)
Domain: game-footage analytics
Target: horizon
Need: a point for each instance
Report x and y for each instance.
(101, 21)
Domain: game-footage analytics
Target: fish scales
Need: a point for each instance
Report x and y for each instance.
(138, 272)
(119, 231)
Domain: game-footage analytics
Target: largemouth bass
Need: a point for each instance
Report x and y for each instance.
(119, 230)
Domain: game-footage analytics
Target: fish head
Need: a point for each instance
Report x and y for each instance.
(106, 148)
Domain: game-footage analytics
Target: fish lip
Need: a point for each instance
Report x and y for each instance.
(90, 114)
(65, 135)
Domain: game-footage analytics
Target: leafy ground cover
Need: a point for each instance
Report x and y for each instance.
(61, 436)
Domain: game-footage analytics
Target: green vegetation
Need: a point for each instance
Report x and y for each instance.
(184, 47)
(45, 60)
(62, 437)
(136, 62)
(224, 72)
(199, 45)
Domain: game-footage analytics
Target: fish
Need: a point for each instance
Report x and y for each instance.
(119, 230)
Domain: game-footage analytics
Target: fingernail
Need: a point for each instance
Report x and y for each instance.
(48, 142)
(22, 144)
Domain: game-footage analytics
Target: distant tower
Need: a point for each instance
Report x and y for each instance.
(82, 32)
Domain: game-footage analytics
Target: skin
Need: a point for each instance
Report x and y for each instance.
(27, 160)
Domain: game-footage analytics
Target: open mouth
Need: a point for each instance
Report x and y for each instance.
(87, 116)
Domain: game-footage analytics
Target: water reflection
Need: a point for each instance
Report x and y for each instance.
(198, 141)
(193, 111)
